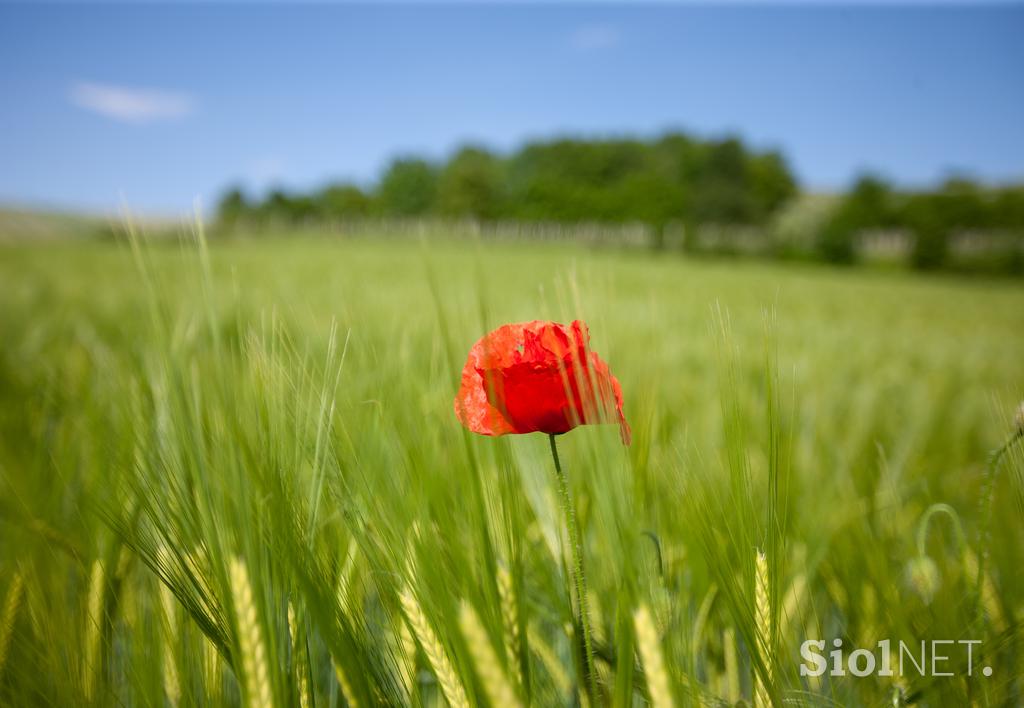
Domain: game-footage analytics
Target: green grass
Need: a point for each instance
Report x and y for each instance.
(235, 476)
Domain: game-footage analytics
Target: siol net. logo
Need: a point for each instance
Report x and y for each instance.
(938, 657)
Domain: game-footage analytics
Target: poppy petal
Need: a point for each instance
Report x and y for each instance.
(537, 377)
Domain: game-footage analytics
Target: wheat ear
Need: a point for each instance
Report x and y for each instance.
(763, 622)
(649, 646)
(255, 675)
(172, 686)
(94, 623)
(510, 618)
(299, 659)
(11, 604)
(496, 683)
(435, 653)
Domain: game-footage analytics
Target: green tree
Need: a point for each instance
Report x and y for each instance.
(470, 184)
(344, 201)
(674, 178)
(868, 205)
(722, 191)
(233, 207)
(771, 182)
(408, 188)
(923, 215)
(1008, 209)
(282, 206)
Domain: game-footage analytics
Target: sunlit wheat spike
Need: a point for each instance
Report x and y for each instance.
(11, 604)
(492, 675)
(435, 653)
(550, 660)
(763, 623)
(649, 645)
(94, 623)
(298, 657)
(255, 675)
(510, 618)
(168, 604)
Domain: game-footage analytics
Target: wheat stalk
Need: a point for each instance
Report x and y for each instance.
(547, 657)
(298, 657)
(793, 605)
(649, 646)
(94, 619)
(344, 589)
(496, 683)
(868, 634)
(255, 675)
(172, 686)
(197, 563)
(763, 622)
(732, 671)
(812, 628)
(11, 604)
(435, 653)
(211, 668)
(346, 686)
(989, 596)
(510, 618)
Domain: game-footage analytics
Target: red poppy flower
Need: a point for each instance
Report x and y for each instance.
(537, 377)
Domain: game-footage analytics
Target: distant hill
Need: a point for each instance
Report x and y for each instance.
(20, 224)
(35, 224)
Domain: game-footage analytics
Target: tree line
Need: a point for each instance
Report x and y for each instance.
(933, 220)
(674, 178)
(673, 182)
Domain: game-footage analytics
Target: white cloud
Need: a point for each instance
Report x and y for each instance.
(131, 105)
(594, 37)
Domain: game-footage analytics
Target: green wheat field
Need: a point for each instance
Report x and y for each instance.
(232, 475)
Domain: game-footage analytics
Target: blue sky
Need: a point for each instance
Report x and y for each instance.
(163, 104)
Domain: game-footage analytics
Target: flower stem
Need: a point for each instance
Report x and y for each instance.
(579, 577)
